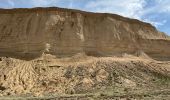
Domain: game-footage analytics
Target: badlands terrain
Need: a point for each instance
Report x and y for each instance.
(56, 53)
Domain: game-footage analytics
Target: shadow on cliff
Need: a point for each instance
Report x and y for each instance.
(21, 56)
(32, 56)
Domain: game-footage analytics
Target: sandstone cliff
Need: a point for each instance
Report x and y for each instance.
(69, 53)
(27, 33)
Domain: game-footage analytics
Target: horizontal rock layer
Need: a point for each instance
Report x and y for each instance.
(27, 33)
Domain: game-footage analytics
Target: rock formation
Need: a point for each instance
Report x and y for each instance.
(55, 51)
(24, 33)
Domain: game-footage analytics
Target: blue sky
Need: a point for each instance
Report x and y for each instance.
(156, 12)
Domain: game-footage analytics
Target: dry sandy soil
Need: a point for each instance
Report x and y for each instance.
(85, 77)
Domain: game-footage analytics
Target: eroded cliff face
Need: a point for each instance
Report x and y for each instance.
(58, 53)
(27, 33)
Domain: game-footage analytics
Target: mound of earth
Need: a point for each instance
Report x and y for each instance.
(110, 76)
(57, 53)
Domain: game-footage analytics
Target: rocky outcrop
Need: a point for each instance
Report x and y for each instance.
(27, 33)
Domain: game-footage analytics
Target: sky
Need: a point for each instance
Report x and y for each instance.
(156, 12)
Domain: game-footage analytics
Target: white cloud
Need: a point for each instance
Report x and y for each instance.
(42, 3)
(39, 2)
(128, 8)
(162, 6)
(11, 3)
(155, 23)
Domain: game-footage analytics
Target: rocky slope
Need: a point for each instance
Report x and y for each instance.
(94, 77)
(26, 33)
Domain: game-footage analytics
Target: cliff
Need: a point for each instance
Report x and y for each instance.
(56, 53)
(27, 33)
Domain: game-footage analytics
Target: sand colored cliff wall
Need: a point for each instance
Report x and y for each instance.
(25, 33)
